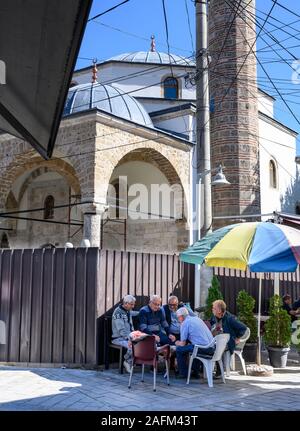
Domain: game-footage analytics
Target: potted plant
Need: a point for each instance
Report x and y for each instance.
(278, 333)
(245, 306)
(214, 293)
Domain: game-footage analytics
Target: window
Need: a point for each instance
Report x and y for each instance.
(273, 174)
(4, 241)
(49, 207)
(170, 88)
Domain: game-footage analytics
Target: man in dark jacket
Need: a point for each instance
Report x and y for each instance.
(287, 305)
(153, 321)
(224, 322)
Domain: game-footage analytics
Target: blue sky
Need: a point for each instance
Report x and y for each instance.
(129, 27)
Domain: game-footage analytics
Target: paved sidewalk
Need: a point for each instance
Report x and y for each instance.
(54, 389)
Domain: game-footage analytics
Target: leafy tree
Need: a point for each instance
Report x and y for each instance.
(245, 305)
(278, 326)
(214, 293)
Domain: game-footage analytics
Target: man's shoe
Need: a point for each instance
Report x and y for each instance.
(127, 366)
(217, 376)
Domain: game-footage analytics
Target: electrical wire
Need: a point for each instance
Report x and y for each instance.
(108, 10)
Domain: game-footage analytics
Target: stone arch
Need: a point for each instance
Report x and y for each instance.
(38, 166)
(157, 159)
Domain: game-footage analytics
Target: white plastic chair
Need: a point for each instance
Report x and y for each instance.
(209, 362)
(2, 332)
(230, 359)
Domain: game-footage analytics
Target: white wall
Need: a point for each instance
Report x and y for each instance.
(181, 124)
(265, 104)
(280, 146)
(117, 74)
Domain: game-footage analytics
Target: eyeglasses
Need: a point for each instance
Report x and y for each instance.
(156, 303)
(173, 305)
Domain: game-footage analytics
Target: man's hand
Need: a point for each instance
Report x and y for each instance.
(180, 343)
(172, 337)
(157, 339)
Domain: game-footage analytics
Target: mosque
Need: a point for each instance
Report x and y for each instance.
(121, 172)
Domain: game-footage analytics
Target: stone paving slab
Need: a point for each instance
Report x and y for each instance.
(56, 389)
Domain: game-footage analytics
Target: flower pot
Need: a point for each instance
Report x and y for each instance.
(249, 352)
(278, 356)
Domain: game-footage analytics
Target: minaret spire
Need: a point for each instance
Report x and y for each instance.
(94, 72)
(152, 46)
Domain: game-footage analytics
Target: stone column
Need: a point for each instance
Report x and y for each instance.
(234, 122)
(92, 223)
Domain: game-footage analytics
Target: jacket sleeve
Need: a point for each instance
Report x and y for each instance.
(238, 327)
(143, 326)
(119, 325)
(164, 323)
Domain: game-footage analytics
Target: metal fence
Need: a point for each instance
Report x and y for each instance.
(232, 281)
(53, 300)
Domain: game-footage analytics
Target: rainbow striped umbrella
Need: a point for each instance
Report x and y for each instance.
(260, 246)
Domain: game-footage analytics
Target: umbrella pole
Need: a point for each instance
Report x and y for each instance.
(258, 359)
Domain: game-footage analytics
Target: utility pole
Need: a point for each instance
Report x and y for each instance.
(202, 116)
(202, 182)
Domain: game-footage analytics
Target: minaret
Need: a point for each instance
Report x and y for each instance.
(234, 120)
(152, 46)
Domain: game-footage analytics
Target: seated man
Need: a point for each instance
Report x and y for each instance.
(287, 305)
(296, 306)
(193, 331)
(170, 312)
(152, 321)
(225, 322)
(122, 326)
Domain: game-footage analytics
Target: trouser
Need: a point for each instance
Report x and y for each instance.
(124, 343)
(164, 339)
(182, 355)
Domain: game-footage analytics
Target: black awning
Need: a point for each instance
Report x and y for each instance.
(39, 44)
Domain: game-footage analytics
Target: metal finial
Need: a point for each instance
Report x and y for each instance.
(152, 46)
(94, 73)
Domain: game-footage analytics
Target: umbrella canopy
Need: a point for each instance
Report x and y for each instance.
(260, 246)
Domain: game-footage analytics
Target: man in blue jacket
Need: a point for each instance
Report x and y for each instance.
(153, 321)
(226, 323)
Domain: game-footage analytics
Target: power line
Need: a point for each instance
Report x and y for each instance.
(250, 51)
(108, 10)
(262, 66)
(189, 25)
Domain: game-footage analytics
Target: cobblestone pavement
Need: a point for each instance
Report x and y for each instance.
(54, 389)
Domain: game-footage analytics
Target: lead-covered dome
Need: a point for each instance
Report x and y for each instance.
(153, 57)
(106, 98)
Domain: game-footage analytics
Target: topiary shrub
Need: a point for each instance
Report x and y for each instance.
(245, 306)
(214, 293)
(278, 326)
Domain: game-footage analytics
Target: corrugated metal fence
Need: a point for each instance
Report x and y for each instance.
(53, 300)
(232, 281)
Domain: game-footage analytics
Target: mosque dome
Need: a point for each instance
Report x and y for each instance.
(106, 98)
(153, 56)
